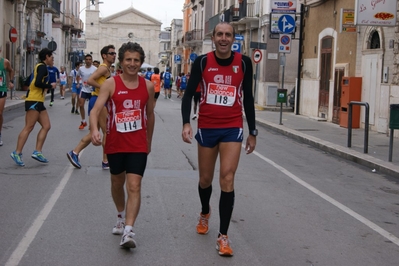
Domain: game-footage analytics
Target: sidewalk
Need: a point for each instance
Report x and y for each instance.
(326, 136)
(333, 139)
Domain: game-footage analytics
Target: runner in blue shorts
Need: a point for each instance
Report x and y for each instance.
(75, 87)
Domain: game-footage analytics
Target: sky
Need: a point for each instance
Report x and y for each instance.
(162, 10)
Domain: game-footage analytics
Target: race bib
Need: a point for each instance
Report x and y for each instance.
(221, 94)
(128, 121)
(1, 81)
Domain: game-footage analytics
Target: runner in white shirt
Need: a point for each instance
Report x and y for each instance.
(63, 81)
(75, 91)
(84, 73)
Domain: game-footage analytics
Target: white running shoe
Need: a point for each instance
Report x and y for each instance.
(127, 240)
(119, 226)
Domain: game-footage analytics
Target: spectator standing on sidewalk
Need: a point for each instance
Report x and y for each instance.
(130, 126)
(96, 80)
(63, 82)
(54, 77)
(6, 82)
(226, 79)
(84, 74)
(75, 88)
(35, 110)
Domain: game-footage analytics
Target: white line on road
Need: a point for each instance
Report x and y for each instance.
(30, 235)
(337, 204)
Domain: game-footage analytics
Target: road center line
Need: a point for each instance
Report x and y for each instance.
(30, 235)
(337, 204)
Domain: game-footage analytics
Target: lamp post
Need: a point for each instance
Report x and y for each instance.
(92, 4)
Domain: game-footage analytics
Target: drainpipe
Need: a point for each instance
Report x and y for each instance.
(298, 88)
(20, 9)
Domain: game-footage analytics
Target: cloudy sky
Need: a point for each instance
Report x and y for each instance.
(162, 10)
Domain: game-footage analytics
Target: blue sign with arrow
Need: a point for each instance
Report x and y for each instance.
(286, 23)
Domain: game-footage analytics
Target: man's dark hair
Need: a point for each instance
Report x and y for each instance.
(77, 64)
(131, 47)
(148, 68)
(96, 61)
(43, 53)
(156, 70)
(220, 23)
(105, 49)
(88, 55)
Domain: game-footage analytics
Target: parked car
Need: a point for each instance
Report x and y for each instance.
(292, 98)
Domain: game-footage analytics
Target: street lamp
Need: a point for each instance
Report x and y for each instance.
(92, 4)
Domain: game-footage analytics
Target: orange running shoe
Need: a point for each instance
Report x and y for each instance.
(202, 226)
(82, 125)
(223, 246)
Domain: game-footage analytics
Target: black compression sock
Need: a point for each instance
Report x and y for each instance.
(226, 206)
(205, 196)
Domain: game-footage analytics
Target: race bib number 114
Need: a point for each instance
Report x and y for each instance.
(128, 121)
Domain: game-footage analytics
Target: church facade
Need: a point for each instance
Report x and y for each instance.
(127, 25)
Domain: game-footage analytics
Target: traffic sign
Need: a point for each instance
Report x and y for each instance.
(257, 56)
(238, 37)
(13, 34)
(177, 59)
(193, 56)
(286, 23)
(236, 47)
(285, 43)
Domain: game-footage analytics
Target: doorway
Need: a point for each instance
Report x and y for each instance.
(325, 75)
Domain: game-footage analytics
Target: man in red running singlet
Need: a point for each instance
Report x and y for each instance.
(130, 125)
(226, 87)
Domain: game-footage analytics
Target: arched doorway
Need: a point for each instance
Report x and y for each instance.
(372, 60)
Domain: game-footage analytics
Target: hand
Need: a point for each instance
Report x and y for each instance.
(96, 137)
(187, 133)
(78, 85)
(10, 85)
(250, 145)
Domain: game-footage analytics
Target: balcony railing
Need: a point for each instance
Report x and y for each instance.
(34, 3)
(77, 25)
(67, 21)
(211, 24)
(249, 9)
(54, 7)
(191, 38)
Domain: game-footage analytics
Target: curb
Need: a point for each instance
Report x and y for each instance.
(343, 152)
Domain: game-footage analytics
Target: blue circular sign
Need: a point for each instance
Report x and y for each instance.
(193, 56)
(286, 24)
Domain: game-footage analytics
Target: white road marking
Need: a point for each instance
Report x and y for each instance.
(30, 235)
(337, 204)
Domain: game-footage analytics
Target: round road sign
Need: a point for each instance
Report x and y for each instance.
(257, 56)
(13, 34)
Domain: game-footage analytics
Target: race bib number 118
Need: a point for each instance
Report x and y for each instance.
(220, 94)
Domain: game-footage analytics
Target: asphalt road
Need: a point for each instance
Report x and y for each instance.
(295, 205)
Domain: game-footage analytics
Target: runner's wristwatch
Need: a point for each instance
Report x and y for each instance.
(253, 132)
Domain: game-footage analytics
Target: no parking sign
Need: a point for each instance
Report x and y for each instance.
(285, 43)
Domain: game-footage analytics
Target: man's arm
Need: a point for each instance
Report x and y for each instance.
(106, 91)
(101, 71)
(150, 113)
(41, 73)
(190, 89)
(249, 103)
(10, 73)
